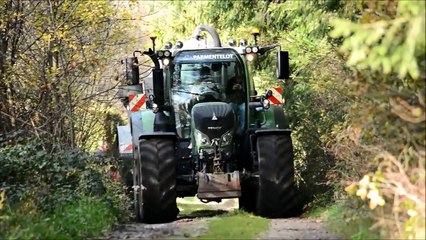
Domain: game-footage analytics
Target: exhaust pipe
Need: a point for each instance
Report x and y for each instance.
(210, 30)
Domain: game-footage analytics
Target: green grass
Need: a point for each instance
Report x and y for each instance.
(347, 221)
(224, 225)
(236, 225)
(87, 217)
(318, 212)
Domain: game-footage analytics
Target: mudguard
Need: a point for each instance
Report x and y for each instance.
(171, 135)
(140, 122)
(263, 132)
(273, 117)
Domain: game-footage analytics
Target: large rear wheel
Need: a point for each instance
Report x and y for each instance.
(157, 181)
(276, 193)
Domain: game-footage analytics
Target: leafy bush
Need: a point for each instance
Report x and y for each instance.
(57, 192)
(381, 143)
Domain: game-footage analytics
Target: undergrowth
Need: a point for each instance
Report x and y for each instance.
(57, 194)
(343, 221)
(88, 217)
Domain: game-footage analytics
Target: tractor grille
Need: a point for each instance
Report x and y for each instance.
(213, 119)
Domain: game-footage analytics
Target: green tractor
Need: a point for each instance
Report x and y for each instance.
(204, 130)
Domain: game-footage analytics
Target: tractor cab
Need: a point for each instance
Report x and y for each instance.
(205, 76)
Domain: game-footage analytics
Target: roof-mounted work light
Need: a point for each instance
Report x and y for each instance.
(179, 44)
(243, 42)
(168, 45)
(255, 32)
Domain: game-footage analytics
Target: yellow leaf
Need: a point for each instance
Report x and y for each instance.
(2, 198)
(375, 199)
(365, 181)
(411, 213)
(351, 189)
(373, 194)
(372, 204)
(362, 193)
(417, 112)
(381, 201)
(372, 185)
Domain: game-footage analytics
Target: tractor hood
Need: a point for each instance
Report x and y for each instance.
(213, 119)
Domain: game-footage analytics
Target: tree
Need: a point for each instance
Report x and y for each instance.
(55, 62)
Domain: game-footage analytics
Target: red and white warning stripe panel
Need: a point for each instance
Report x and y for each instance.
(126, 148)
(137, 102)
(277, 96)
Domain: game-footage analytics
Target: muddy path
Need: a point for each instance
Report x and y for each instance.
(195, 225)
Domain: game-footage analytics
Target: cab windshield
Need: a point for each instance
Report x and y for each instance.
(201, 76)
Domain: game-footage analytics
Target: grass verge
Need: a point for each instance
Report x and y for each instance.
(341, 219)
(318, 212)
(236, 225)
(88, 217)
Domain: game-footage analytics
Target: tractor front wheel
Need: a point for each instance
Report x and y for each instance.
(157, 181)
(276, 193)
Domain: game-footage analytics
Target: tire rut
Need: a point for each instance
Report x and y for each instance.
(298, 228)
(193, 227)
(179, 229)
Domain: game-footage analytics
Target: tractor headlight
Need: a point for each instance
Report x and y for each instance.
(166, 61)
(250, 57)
(201, 138)
(226, 138)
(255, 49)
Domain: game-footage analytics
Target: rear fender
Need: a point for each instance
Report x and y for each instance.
(151, 135)
(141, 122)
(266, 132)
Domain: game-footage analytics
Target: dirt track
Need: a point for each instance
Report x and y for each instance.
(189, 227)
(297, 228)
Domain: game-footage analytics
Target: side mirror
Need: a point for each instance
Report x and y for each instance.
(283, 65)
(265, 102)
(150, 102)
(132, 70)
